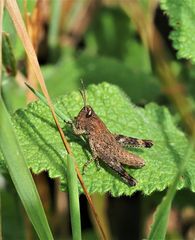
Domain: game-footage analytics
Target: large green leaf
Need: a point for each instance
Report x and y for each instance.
(44, 150)
(182, 16)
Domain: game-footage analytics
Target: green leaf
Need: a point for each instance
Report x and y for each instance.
(181, 17)
(73, 199)
(8, 57)
(44, 150)
(21, 175)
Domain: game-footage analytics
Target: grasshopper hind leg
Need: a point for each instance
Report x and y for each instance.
(133, 142)
(118, 168)
(127, 178)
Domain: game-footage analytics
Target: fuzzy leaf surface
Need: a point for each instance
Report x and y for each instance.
(44, 151)
(181, 17)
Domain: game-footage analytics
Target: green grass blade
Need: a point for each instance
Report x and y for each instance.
(21, 176)
(43, 99)
(53, 37)
(159, 227)
(8, 57)
(73, 199)
(54, 23)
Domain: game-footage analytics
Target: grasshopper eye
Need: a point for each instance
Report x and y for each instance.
(89, 113)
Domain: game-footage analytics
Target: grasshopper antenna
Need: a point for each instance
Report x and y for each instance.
(83, 93)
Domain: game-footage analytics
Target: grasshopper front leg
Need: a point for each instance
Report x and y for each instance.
(76, 131)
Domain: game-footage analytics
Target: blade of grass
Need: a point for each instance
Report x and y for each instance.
(43, 99)
(8, 57)
(16, 17)
(56, 7)
(73, 199)
(1, 30)
(159, 227)
(21, 176)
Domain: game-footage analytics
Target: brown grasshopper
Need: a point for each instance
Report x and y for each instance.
(107, 146)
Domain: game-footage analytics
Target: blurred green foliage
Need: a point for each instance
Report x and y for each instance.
(141, 87)
(181, 18)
